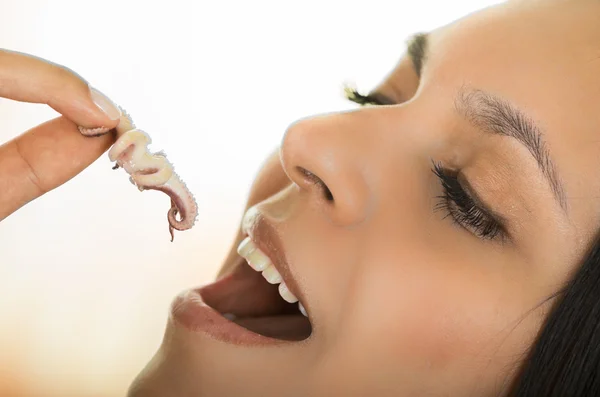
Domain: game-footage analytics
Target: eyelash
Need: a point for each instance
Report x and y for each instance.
(455, 201)
(354, 96)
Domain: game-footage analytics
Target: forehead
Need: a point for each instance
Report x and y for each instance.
(544, 57)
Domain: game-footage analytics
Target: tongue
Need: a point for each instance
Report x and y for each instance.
(256, 305)
(245, 293)
(292, 327)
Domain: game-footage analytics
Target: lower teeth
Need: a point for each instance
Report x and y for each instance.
(230, 316)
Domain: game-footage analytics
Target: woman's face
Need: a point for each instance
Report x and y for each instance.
(416, 283)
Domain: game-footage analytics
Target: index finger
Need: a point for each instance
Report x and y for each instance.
(27, 78)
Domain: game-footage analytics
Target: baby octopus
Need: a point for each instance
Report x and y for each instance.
(149, 171)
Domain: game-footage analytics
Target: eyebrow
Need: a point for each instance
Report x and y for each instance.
(495, 115)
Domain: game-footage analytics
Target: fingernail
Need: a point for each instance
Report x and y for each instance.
(105, 104)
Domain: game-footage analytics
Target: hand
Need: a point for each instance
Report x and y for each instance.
(52, 153)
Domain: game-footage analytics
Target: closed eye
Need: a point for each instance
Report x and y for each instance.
(465, 210)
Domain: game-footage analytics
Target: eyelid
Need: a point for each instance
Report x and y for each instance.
(464, 182)
(381, 98)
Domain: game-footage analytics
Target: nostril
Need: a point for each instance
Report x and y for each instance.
(314, 179)
(327, 192)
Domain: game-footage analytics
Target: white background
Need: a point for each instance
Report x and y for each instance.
(87, 272)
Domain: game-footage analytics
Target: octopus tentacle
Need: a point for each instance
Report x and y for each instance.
(182, 203)
(150, 171)
(93, 132)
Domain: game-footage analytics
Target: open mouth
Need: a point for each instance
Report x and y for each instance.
(256, 297)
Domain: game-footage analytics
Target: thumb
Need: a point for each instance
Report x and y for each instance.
(44, 158)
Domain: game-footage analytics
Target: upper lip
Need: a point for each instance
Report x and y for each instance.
(265, 236)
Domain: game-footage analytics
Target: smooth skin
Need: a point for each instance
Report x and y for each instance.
(403, 301)
(51, 153)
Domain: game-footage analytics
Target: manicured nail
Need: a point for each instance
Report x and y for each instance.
(105, 104)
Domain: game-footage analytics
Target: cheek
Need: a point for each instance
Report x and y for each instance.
(432, 318)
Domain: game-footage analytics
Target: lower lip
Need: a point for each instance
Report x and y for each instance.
(189, 310)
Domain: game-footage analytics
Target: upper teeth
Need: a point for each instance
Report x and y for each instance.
(260, 262)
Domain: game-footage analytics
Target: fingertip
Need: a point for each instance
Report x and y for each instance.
(106, 105)
(106, 113)
(87, 107)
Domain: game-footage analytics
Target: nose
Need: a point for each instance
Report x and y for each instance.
(325, 156)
